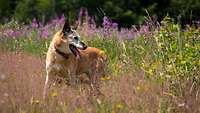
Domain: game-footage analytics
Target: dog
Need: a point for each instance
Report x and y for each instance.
(68, 56)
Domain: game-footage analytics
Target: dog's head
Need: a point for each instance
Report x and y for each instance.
(73, 39)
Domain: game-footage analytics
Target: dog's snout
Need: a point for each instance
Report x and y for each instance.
(84, 46)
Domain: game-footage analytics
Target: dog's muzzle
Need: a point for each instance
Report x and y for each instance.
(84, 46)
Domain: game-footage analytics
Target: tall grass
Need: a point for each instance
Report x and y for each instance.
(167, 54)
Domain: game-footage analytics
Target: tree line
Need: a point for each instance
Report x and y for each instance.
(124, 12)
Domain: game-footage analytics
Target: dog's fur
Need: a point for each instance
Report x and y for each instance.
(64, 62)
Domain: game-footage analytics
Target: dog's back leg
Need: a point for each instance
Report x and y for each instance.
(94, 83)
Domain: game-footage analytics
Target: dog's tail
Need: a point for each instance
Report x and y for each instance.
(103, 55)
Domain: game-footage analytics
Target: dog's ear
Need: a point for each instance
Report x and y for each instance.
(66, 27)
(75, 26)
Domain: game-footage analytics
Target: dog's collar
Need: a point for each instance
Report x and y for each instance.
(64, 55)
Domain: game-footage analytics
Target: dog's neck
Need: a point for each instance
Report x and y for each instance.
(62, 51)
(64, 55)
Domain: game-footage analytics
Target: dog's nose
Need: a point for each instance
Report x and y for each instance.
(84, 46)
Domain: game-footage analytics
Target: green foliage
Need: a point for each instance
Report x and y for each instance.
(125, 12)
(7, 8)
(177, 55)
(29, 45)
(25, 10)
(187, 9)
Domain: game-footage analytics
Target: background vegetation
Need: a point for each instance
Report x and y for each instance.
(124, 12)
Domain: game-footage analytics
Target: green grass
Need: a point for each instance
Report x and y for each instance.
(29, 45)
(170, 55)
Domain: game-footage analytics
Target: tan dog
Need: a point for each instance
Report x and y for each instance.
(67, 57)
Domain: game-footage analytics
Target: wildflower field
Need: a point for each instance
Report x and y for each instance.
(153, 68)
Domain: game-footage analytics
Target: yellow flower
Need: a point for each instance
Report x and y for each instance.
(119, 106)
(138, 87)
(150, 71)
(54, 94)
(199, 63)
(35, 101)
(102, 78)
(156, 64)
(169, 67)
(161, 74)
(187, 45)
(183, 62)
(106, 78)
(161, 45)
(118, 66)
(99, 101)
(144, 65)
(101, 52)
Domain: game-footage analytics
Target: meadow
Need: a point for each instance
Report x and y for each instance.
(152, 68)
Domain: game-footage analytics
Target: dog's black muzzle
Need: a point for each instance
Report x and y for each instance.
(84, 46)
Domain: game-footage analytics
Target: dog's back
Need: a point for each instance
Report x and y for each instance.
(92, 61)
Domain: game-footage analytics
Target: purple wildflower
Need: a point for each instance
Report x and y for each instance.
(106, 21)
(54, 21)
(197, 23)
(16, 33)
(34, 23)
(61, 19)
(106, 24)
(144, 29)
(130, 36)
(83, 16)
(44, 34)
(11, 33)
(114, 25)
(92, 23)
(83, 12)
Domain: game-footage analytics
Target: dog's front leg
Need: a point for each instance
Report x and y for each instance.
(46, 85)
(49, 73)
(72, 76)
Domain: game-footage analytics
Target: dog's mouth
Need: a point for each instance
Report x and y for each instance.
(74, 50)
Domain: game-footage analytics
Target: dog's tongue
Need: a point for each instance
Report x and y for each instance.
(77, 56)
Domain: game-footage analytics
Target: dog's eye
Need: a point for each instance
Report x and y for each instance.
(76, 38)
